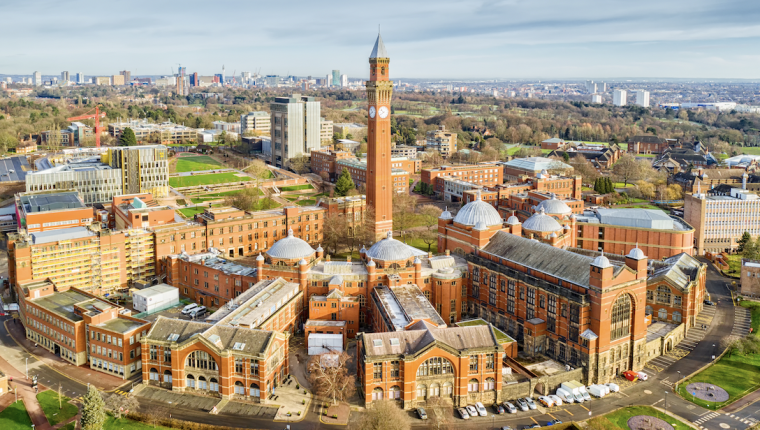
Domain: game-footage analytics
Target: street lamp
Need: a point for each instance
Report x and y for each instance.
(27, 367)
(679, 379)
(666, 403)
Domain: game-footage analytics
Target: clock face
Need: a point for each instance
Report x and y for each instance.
(383, 112)
(371, 111)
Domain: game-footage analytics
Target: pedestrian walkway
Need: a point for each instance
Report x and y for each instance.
(25, 392)
(742, 321)
(707, 417)
(687, 344)
(82, 374)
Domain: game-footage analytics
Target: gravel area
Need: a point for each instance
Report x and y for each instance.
(709, 392)
(646, 422)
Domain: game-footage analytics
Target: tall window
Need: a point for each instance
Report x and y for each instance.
(394, 369)
(621, 317)
(377, 371)
(489, 361)
(201, 360)
(663, 294)
(473, 363)
(435, 366)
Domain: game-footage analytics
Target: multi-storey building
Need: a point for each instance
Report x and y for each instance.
(82, 328)
(257, 121)
(484, 174)
(326, 131)
(515, 170)
(647, 145)
(38, 212)
(333, 313)
(214, 359)
(229, 127)
(145, 132)
(404, 151)
(720, 219)
(325, 160)
(442, 141)
(399, 179)
(295, 127)
(750, 278)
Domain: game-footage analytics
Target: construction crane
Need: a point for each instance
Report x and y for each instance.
(97, 115)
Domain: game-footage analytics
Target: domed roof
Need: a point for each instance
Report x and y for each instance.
(554, 206)
(543, 174)
(478, 210)
(636, 253)
(371, 263)
(445, 214)
(290, 248)
(390, 249)
(260, 257)
(541, 222)
(480, 225)
(601, 262)
(512, 220)
(319, 249)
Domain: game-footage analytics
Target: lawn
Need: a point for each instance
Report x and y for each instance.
(197, 163)
(266, 203)
(70, 426)
(307, 202)
(126, 424)
(500, 335)
(15, 417)
(229, 193)
(190, 212)
(214, 178)
(292, 198)
(297, 187)
(734, 265)
(622, 185)
(49, 402)
(619, 418)
(419, 244)
(754, 308)
(749, 150)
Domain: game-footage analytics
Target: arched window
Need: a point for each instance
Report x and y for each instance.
(662, 314)
(663, 294)
(621, 317)
(435, 366)
(239, 388)
(677, 317)
(648, 310)
(435, 390)
(190, 381)
(447, 390)
(168, 376)
(408, 263)
(153, 374)
(377, 394)
(201, 360)
(472, 386)
(255, 390)
(394, 393)
(213, 385)
(394, 266)
(490, 384)
(202, 384)
(421, 391)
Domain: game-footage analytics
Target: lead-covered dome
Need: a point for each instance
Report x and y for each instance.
(636, 253)
(542, 223)
(478, 210)
(290, 248)
(601, 262)
(554, 206)
(390, 249)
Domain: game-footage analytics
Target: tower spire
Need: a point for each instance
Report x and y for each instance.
(379, 50)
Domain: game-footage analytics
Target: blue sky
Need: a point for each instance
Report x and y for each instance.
(426, 39)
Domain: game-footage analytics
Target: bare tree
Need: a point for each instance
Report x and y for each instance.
(334, 229)
(627, 169)
(404, 208)
(299, 164)
(119, 405)
(440, 412)
(584, 168)
(429, 214)
(385, 415)
(329, 375)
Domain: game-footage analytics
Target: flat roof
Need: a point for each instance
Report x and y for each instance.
(34, 203)
(62, 234)
(406, 303)
(640, 218)
(18, 165)
(155, 290)
(121, 325)
(257, 304)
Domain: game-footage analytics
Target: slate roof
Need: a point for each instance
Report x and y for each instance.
(545, 258)
(677, 270)
(379, 50)
(255, 341)
(412, 341)
(646, 139)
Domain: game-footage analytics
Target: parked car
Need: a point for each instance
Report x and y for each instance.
(546, 401)
(481, 409)
(630, 375)
(421, 413)
(197, 312)
(512, 409)
(499, 409)
(523, 405)
(530, 402)
(471, 410)
(556, 399)
(186, 310)
(643, 376)
(463, 413)
(709, 303)
(552, 422)
(565, 395)
(614, 388)
(532, 426)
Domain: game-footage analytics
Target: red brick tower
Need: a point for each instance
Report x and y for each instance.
(379, 179)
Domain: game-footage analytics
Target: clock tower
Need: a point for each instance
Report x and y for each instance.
(379, 178)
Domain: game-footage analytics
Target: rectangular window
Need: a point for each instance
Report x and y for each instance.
(489, 361)
(473, 363)
(377, 371)
(395, 369)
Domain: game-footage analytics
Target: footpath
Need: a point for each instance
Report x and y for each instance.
(23, 388)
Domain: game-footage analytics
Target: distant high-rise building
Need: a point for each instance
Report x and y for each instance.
(127, 76)
(295, 123)
(221, 79)
(336, 78)
(619, 97)
(194, 79)
(344, 81)
(65, 77)
(596, 98)
(36, 79)
(601, 87)
(80, 78)
(642, 98)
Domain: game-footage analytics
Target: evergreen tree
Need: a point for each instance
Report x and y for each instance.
(93, 410)
(344, 184)
(610, 188)
(128, 138)
(743, 241)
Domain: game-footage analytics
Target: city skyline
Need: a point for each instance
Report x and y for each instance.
(455, 40)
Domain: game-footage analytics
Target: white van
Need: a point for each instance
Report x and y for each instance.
(584, 393)
(565, 395)
(198, 312)
(186, 310)
(597, 391)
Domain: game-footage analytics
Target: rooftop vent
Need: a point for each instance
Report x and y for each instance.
(238, 346)
(377, 343)
(173, 337)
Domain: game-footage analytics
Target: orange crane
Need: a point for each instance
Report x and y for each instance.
(97, 115)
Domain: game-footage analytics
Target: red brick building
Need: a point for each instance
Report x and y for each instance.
(647, 145)
(484, 174)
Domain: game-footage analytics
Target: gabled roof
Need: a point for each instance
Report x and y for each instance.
(647, 139)
(379, 50)
(413, 341)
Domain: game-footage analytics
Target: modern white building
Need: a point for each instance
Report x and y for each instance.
(155, 298)
(619, 97)
(37, 79)
(296, 127)
(596, 98)
(642, 98)
(258, 121)
(344, 80)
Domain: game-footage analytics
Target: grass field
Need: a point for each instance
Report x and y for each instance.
(70, 426)
(197, 163)
(266, 203)
(307, 202)
(297, 187)
(749, 150)
(622, 185)
(738, 374)
(419, 244)
(291, 198)
(190, 212)
(211, 179)
(125, 424)
(734, 265)
(49, 403)
(15, 417)
(619, 418)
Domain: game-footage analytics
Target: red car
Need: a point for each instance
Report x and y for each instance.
(631, 375)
